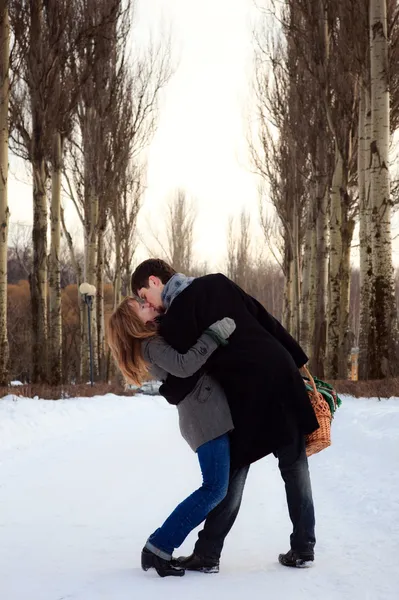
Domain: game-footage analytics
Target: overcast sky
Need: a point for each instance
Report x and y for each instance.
(200, 144)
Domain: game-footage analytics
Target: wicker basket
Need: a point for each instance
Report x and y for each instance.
(321, 438)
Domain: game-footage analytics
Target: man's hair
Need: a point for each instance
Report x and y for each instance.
(152, 266)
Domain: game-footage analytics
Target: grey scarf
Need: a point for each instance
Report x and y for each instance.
(174, 287)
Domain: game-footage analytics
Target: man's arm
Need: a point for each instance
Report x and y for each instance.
(274, 327)
(188, 316)
(191, 313)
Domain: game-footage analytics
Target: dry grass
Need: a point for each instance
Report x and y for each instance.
(384, 388)
(65, 391)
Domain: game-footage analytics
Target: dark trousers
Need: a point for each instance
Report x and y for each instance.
(294, 470)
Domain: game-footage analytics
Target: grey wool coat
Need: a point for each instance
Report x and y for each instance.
(204, 414)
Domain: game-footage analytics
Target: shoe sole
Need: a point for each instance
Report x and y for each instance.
(299, 564)
(206, 570)
(162, 574)
(146, 565)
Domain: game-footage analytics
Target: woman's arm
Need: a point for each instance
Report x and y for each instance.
(164, 356)
(181, 365)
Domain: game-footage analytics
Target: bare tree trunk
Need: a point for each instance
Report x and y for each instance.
(312, 293)
(4, 210)
(118, 257)
(383, 356)
(346, 336)
(38, 279)
(366, 267)
(68, 237)
(307, 290)
(101, 358)
(55, 330)
(335, 262)
(306, 284)
(90, 277)
(287, 302)
(79, 280)
(319, 333)
(90, 251)
(180, 225)
(296, 283)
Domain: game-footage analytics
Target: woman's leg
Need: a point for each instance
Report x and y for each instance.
(214, 459)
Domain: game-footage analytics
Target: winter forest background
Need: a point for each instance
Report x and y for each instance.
(80, 108)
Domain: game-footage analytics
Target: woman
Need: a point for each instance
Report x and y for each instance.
(204, 417)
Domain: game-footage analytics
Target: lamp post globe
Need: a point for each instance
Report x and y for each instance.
(84, 288)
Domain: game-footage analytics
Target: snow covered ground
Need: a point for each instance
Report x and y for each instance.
(84, 481)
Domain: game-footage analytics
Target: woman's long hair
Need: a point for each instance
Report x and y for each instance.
(125, 333)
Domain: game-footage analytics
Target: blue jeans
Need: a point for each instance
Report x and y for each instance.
(214, 460)
(293, 465)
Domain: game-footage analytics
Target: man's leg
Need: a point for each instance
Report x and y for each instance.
(293, 464)
(218, 523)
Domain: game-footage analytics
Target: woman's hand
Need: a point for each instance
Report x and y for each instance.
(223, 328)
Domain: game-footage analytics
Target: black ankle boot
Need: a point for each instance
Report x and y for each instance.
(164, 568)
(296, 559)
(197, 563)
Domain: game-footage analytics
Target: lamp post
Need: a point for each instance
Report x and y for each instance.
(88, 292)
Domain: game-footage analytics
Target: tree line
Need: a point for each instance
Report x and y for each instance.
(79, 103)
(262, 277)
(327, 102)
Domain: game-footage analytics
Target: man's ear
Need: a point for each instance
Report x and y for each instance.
(155, 281)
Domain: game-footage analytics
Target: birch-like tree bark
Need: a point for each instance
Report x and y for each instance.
(55, 329)
(100, 310)
(288, 287)
(312, 291)
(319, 331)
(335, 264)
(384, 333)
(366, 265)
(307, 291)
(4, 210)
(39, 276)
(118, 255)
(91, 211)
(346, 337)
(40, 59)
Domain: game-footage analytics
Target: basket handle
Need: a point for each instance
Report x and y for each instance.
(311, 380)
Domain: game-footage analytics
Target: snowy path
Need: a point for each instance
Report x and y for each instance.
(83, 482)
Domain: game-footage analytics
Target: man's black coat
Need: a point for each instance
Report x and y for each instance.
(258, 369)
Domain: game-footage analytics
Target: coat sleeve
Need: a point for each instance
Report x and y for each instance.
(274, 327)
(184, 365)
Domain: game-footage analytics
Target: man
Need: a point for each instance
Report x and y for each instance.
(259, 372)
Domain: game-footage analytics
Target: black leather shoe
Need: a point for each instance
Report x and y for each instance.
(296, 559)
(197, 563)
(164, 568)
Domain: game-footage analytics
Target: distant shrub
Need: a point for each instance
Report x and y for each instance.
(47, 392)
